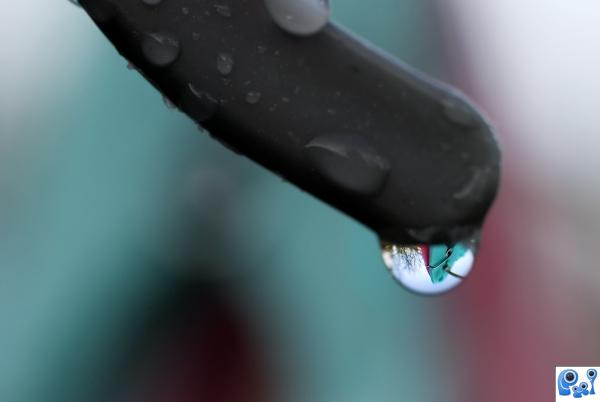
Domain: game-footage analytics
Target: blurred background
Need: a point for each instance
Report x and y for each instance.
(142, 261)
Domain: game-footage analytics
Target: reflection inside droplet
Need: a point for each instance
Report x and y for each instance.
(430, 269)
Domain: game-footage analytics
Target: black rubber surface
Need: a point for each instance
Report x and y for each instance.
(406, 156)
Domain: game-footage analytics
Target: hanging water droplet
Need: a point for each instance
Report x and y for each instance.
(299, 17)
(253, 97)
(224, 63)
(223, 10)
(349, 162)
(151, 2)
(160, 49)
(430, 269)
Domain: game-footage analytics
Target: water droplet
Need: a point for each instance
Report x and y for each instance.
(223, 10)
(253, 97)
(76, 2)
(151, 2)
(168, 103)
(185, 10)
(430, 269)
(458, 111)
(299, 17)
(207, 105)
(224, 63)
(160, 49)
(349, 162)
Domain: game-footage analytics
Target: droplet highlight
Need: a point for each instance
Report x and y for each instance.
(160, 49)
(300, 17)
(430, 269)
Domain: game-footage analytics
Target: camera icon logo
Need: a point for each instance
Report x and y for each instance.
(576, 382)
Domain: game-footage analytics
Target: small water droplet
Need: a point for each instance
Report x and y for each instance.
(207, 106)
(458, 111)
(224, 63)
(223, 10)
(168, 103)
(299, 17)
(160, 49)
(349, 162)
(430, 269)
(253, 97)
(152, 2)
(185, 10)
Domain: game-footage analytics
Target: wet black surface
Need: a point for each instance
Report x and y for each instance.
(425, 163)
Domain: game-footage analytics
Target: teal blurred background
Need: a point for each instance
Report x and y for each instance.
(142, 261)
